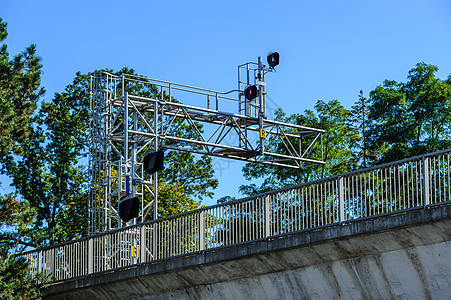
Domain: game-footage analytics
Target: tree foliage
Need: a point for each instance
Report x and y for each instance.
(195, 173)
(175, 200)
(19, 92)
(48, 175)
(359, 122)
(20, 89)
(16, 282)
(411, 118)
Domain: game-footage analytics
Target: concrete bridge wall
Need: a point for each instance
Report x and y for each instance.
(406, 256)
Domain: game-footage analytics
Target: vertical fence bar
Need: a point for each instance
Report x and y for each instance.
(53, 262)
(267, 223)
(341, 214)
(425, 181)
(448, 189)
(142, 244)
(39, 262)
(90, 256)
(154, 240)
(201, 231)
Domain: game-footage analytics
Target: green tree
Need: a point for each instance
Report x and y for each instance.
(20, 89)
(174, 200)
(359, 122)
(16, 282)
(48, 175)
(337, 140)
(195, 173)
(412, 118)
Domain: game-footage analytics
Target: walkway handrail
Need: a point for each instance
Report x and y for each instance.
(392, 188)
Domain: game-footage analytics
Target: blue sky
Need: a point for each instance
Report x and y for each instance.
(328, 49)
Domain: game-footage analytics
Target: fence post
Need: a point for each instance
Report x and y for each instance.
(39, 264)
(142, 244)
(53, 262)
(266, 216)
(90, 256)
(154, 241)
(201, 231)
(341, 210)
(426, 200)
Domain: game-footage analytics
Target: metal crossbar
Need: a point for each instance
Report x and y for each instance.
(414, 183)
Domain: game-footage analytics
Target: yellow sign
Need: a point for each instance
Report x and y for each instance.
(135, 251)
(263, 133)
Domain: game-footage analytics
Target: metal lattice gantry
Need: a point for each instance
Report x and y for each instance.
(131, 114)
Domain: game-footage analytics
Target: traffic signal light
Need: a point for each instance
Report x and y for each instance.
(128, 208)
(273, 59)
(250, 92)
(153, 161)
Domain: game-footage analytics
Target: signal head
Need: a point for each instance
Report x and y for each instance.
(153, 161)
(273, 59)
(250, 92)
(128, 208)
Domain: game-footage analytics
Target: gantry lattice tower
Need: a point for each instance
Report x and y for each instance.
(131, 114)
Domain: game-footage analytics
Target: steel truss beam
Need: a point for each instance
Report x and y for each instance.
(225, 125)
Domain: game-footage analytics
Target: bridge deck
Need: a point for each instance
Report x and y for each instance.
(413, 184)
(404, 256)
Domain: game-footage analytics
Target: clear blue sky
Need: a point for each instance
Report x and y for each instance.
(328, 49)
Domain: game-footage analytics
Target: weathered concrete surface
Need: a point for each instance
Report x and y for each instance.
(404, 257)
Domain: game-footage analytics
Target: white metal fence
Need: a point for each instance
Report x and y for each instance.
(396, 187)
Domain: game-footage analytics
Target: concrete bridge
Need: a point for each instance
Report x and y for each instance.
(381, 232)
(407, 256)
